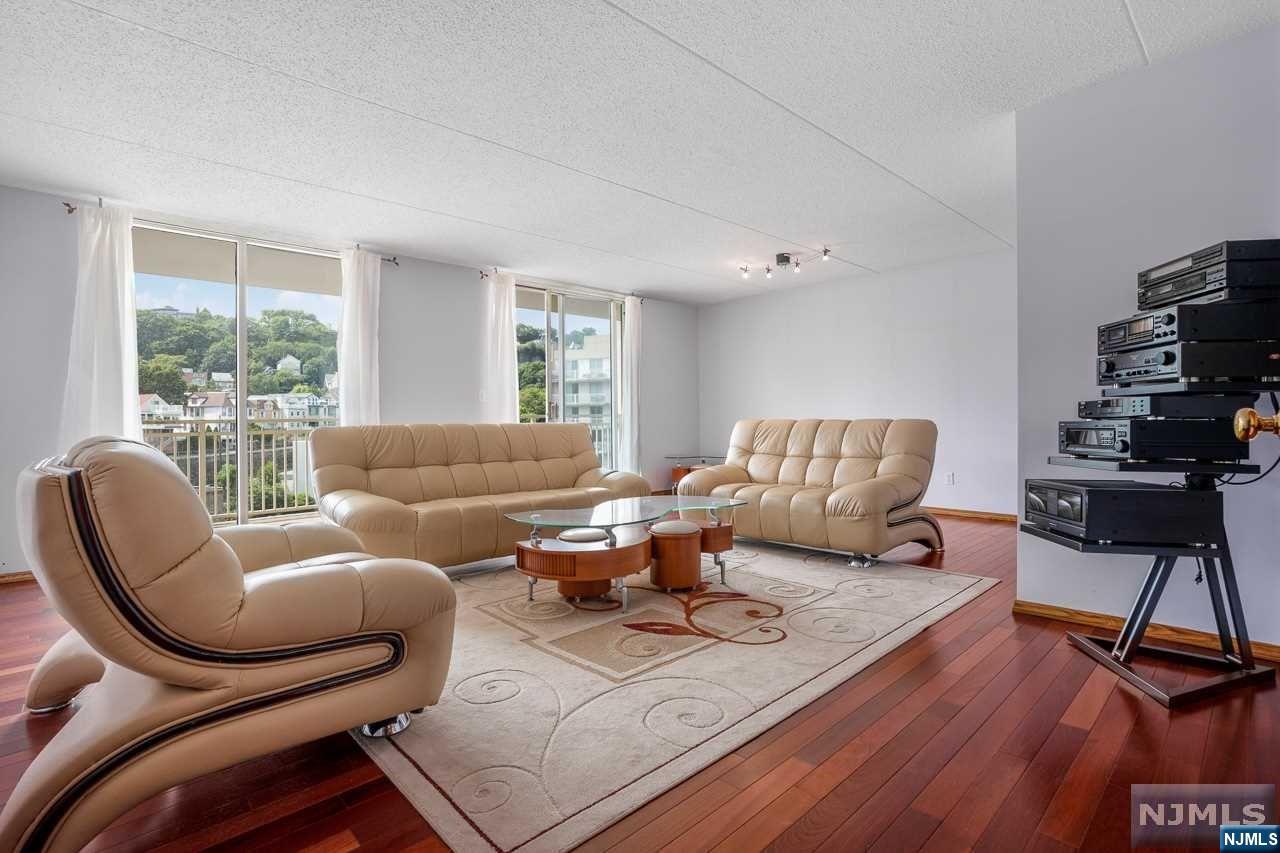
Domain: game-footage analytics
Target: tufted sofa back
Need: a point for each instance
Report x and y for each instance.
(423, 462)
(832, 453)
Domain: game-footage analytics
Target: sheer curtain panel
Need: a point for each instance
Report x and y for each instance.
(358, 399)
(499, 395)
(629, 435)
(101, 394)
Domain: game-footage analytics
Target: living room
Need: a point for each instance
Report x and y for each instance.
(661, 426)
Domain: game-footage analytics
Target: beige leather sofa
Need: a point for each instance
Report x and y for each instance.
(850, 486)
(200, 650)
(438, 492)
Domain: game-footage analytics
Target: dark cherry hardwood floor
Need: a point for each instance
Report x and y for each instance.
(986, 732)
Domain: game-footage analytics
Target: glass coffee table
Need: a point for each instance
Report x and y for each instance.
(610, 541)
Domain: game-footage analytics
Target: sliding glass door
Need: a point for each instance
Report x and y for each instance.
(566, 346)
(237, 363)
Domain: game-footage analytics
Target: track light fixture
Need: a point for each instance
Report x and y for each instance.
(787, 260)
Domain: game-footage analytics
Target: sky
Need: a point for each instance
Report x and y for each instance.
(186, 294)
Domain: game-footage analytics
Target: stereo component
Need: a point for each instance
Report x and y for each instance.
(1125, 511)
(1236, 264)
(1231, 361)
(1151, 439)
(1165, 406)
(1223, 321)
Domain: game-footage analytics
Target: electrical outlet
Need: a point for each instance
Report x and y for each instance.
(951, 478)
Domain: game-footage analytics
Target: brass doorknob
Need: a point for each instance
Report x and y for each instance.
(1249, 423)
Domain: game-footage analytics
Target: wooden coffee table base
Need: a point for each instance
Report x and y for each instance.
(716, 539)
(586, 568)
(584, 589)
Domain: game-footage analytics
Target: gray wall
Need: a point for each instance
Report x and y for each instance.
(1113, 179)
(430, 326)
(668, 388)
(37, 294)
(935, 341)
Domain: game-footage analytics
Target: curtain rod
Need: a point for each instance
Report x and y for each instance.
(72, 208)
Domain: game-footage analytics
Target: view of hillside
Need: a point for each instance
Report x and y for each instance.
(204, 342)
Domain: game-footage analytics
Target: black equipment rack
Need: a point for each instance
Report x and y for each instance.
(1236, 659)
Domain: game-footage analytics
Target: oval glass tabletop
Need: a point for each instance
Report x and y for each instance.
(620, 511)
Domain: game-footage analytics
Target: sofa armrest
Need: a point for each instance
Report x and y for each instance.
(623, 484)
(386, 527)
(362, 512)
(877, 496)
(327, 601)
(705, 480)
(260, 545)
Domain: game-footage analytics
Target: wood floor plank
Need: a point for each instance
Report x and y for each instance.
(1006, 695)
(1071, 809)
(767, 824)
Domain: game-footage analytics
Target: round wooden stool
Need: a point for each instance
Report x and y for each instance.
(677, 554)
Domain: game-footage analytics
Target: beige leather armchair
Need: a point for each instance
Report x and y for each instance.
(200, 649)
(438, 492)
(849, 486)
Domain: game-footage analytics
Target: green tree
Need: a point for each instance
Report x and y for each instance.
(220, 357)
(531, 351)
(575, 338)
(533, 404)
(162, 374)
(533, 374)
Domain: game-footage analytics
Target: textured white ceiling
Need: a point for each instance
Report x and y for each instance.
(646, 145)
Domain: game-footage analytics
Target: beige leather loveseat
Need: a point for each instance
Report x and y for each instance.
(438, 492)
(850, 486)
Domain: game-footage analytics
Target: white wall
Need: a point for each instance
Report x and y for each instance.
(37, 294)
(935, 341)
(668, 388)
(1113, 179)
(430, 327)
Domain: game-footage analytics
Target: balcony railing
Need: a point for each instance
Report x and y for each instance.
(279, 461)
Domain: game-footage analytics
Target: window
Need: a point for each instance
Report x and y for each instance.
(566, 351)
(220, 395)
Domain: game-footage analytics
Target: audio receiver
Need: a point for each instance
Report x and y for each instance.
(1125, 511)
(1166, 406)
(1230, 361)
(1223, 321)
(1152, 438)
(1239, 265)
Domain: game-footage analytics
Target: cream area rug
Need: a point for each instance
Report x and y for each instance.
(560, 718)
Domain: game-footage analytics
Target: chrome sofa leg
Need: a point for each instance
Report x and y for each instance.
(386, 728)
(51, 709)
(861, 561)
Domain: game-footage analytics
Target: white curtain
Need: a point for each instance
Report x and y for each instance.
(358, 399)
(629, 434)
(499, 396)
(101, 394)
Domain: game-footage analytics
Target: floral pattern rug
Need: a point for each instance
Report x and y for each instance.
(560, 717)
